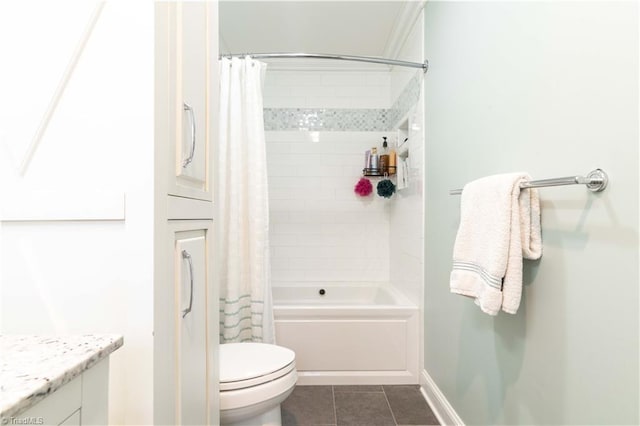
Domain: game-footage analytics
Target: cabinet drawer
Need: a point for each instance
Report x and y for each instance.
(57, 407)
(72, 420)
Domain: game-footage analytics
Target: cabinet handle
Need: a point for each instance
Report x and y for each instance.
(192, 118)
(186, 255)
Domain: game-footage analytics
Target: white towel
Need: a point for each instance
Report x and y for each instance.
(499, 224)
(402, 173)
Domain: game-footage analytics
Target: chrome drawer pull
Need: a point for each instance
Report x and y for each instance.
(186, 255)
(192, 117)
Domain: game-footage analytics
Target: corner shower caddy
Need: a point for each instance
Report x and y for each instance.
(368, 172)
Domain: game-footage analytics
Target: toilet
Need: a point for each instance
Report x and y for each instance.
(254, 379)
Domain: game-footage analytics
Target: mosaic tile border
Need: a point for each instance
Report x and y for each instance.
(325, 119)
(345, 119)
(407, 99)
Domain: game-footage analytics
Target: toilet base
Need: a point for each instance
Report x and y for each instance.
(257, 405)
(270, 418)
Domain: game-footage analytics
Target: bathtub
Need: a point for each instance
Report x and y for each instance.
(351, 334)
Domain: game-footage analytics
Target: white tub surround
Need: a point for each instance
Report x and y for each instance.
(352, 334)
(34, 367)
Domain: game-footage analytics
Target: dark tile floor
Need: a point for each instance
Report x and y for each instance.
(357, 405)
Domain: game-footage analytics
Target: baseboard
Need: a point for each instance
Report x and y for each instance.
(441, 408)
(315, 378)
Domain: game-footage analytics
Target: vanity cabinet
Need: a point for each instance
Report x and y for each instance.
(56, 380)
(82, 401)
(61, 408)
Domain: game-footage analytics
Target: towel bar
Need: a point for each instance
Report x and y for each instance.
(596, 181)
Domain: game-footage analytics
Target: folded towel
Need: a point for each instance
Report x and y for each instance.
(499, 224)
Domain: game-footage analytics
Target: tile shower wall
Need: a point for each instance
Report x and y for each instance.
(307, 111)
(320, 229)
(327, 89)
(406, 216)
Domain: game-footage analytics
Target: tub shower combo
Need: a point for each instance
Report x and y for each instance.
(347, 332)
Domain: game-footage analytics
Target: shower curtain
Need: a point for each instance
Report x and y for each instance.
(243, 265)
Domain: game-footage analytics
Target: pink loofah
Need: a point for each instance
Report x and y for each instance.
(363, 187)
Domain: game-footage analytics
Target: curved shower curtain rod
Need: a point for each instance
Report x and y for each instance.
(424, 66)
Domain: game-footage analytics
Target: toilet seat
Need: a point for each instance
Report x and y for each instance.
(244, 365)
(254, 380)
(255, 398)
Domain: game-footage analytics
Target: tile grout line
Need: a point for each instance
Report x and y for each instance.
(335, 412)
(393, 416)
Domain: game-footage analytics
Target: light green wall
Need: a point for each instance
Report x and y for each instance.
(550, 88)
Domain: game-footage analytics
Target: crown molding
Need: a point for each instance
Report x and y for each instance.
(403, 26)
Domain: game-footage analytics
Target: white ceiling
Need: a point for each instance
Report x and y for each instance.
(360, 28)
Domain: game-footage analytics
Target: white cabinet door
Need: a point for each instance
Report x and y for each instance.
(195, 56)
(191, 278)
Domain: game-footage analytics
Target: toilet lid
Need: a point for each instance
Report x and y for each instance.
(248, 362)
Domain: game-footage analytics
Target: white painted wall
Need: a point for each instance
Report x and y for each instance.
(81, 276)
(550, 88)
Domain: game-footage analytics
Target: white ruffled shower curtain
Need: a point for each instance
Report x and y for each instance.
(243, 263)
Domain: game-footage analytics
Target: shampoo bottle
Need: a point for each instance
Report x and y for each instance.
(392, 161)
(373, 165)
(384, 158)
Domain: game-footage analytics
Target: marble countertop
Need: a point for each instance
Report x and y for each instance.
(33, 367)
